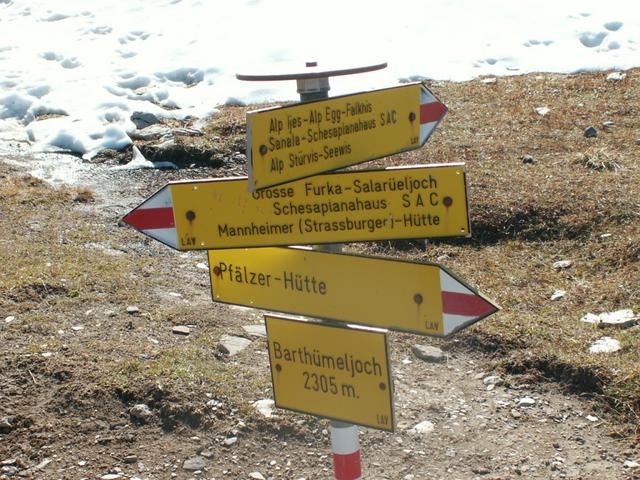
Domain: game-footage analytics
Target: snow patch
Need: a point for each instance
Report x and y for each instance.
(605, 345)
(139, 161)
(592, 39)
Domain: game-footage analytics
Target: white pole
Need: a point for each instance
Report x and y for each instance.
(346, 451)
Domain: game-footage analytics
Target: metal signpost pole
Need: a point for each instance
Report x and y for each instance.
(316, 89)
(344, 436)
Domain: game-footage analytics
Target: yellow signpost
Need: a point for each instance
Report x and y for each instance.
(325, 367)
(407, 296)
(425, 201)
(301, 140)
(334, 372)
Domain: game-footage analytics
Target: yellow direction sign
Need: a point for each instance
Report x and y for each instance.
(301, 140)
(406, 202)
(334, 372)
(398, 295)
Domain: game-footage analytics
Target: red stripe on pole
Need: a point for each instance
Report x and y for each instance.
(465, 304)
(347, 467)
(432, 112)
(150, 218)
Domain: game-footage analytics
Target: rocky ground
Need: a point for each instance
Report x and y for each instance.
(114, 362)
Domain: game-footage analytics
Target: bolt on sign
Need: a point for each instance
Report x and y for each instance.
(425, 201)
(331, 371)
(301, 140)
(420, 298)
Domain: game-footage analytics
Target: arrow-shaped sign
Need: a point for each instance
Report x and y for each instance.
(301, 140)
(408, 296)
(407, 202)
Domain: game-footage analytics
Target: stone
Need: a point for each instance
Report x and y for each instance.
(616, 76)
(42, 464)
(592, 418)
(620, 318)
(6, 424)
(8, 462)
(129, 459)
(542, 111)
(428, 353)
(232, 345)
(111, 476)
(494, 380)
(630, 464)
(558, 295)
(590, 132)
(480, 470)
(188, 132)
(489, 81)
(9, 319)
(608, 126)
(422, 428)
(141, 413)
(528, 160)
(264, 407)
(227, 442)
(133, 310)
(562, 264)
(181, 330)
(153, 132)
(256, 330)
(8, 471)
(526, 402)
(605, 345)
(143, 119)
(239, 158)
(194, 463)
(590, 318)
(207, 453)
(256, 476)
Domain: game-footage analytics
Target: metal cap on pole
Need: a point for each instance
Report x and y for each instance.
(313, 81)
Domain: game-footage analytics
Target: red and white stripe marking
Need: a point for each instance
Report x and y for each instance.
(432, 111)
(154, 217)
(346, 451)
(460, 305)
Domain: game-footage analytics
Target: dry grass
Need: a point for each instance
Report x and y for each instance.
(579, 200)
